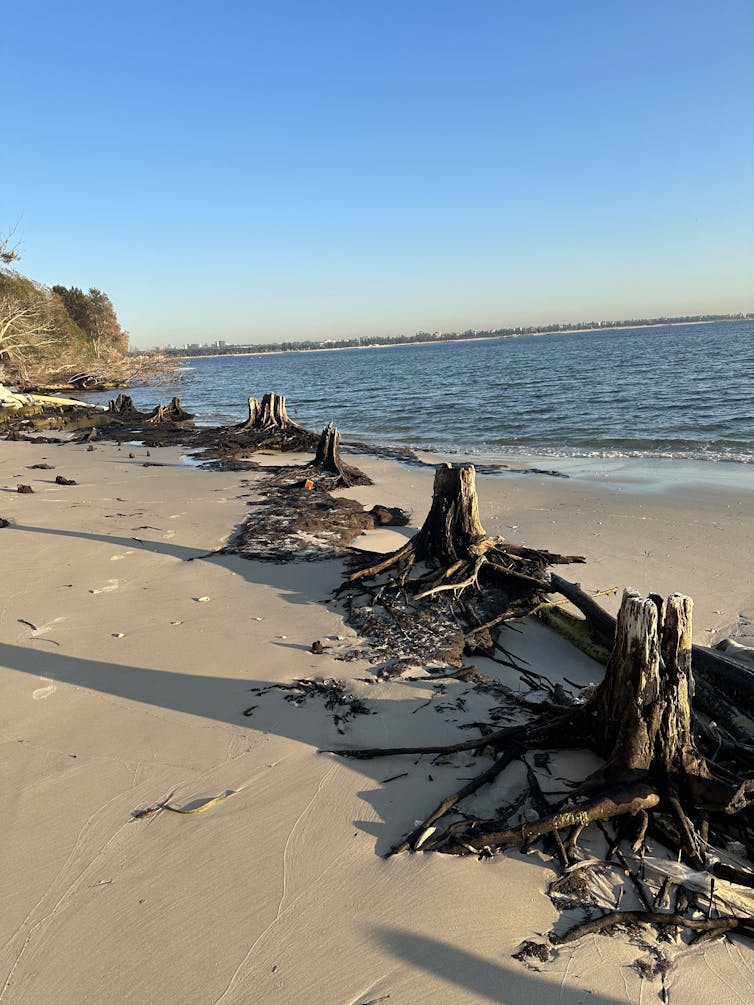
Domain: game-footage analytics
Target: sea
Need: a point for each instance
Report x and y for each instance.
(679, 392)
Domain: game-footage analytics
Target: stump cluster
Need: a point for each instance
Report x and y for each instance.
(669, 774)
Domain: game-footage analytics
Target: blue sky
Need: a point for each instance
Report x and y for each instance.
(261, 171)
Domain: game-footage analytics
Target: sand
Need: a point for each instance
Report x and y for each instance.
(125, 671)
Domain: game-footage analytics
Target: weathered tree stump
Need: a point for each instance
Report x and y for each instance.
(269, 427)
(642, 710)
(122, 405)
(330, 466)
(640, 719)
(451, 587)
(454, 546)
(269, 413)
(173, 412)
(452, 530)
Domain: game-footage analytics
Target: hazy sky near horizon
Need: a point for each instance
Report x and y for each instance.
(255, 171)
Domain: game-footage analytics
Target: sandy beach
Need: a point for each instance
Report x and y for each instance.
(126, 680)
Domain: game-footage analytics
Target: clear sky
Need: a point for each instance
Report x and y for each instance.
(289, 169)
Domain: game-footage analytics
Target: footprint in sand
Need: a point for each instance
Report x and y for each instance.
(117, 558)
(43, 692)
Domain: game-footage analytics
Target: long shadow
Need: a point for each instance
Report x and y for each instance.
(222, 699)
(294, 579)
(489, 981)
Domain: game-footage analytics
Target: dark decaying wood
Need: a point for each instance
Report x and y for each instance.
(642, 710)
(452, 529)
(454, 547)
(328, 468)
(122, 405)
(451, 587)
(174, 412)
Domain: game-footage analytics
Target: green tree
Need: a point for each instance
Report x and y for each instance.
(95, 315)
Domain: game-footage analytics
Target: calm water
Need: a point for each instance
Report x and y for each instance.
(672, 391)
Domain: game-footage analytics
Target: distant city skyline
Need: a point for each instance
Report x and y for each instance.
(260, 173)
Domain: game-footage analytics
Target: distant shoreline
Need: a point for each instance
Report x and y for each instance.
(450, 341)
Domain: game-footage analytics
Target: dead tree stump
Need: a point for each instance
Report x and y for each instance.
(642, 710)
(460, 583)
(122, 405)
(452, 530)
(173, 412)
(269, 413)
(330, 466)
(453, 543)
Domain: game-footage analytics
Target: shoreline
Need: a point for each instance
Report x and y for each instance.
(481, 338)
(129, 654)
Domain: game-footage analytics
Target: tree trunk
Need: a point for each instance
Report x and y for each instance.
(452, 529)
(642, 710)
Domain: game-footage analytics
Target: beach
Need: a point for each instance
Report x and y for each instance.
(130, 679)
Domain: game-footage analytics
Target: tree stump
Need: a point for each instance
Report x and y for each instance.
(169, 413)
(452, 530)
(331, 466)
(269, 413)
(122, 405)
(456, 582)
(453, 542)
(642, 710)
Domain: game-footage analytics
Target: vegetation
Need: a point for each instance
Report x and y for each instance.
(63, 337)
(224, 348)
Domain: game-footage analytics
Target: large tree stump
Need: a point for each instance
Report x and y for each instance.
(330, 466)
(268, 427)
(269, 413)
(451, 578)
(642, 710)
(453, 543)
(452, 529)
(122, 405)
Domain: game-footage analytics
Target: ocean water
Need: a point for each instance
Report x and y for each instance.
(683, 392)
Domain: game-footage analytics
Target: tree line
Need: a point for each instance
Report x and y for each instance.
(62, 336)
(361, 342)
